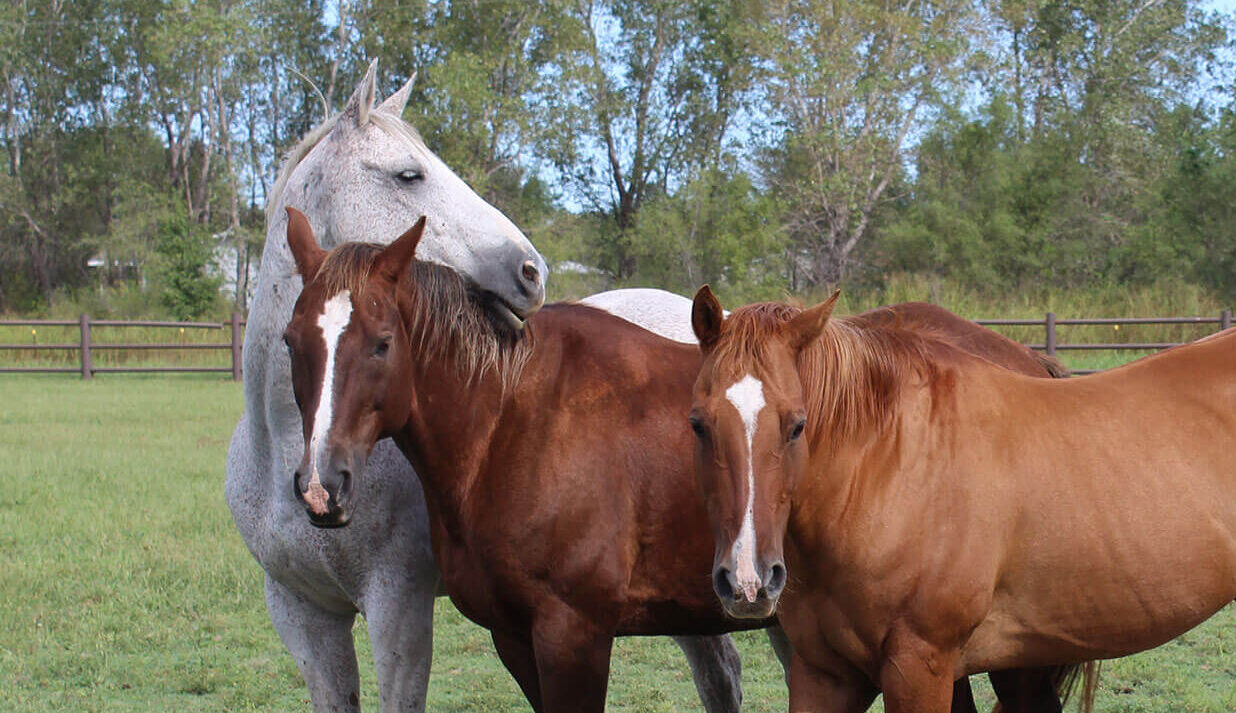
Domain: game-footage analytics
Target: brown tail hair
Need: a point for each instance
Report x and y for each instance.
(1052, 365)
(1064, 680)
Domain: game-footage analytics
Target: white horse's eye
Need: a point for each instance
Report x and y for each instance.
(410, 176)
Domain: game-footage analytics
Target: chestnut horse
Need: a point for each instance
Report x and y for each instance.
(553, 462)
(939, 516)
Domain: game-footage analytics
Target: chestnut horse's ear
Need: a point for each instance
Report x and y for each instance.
(395, 259)
(809, 324)
(706, 318)
(305, 250)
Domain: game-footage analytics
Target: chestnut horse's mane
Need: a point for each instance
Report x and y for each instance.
(850, 376)
(449, 320)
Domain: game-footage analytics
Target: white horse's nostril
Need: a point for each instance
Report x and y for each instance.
(530, 272)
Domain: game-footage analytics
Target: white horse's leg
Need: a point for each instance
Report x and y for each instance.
(321, 643)
(717, 671)
(401, 633)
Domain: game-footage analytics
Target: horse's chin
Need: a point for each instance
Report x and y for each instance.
(760, 609)
(506, 319)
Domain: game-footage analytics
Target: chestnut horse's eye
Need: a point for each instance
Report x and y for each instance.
(697, 425)
(797, 429)
(383, 347)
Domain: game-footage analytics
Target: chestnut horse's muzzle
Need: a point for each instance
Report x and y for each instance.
(325, 499)
(756, 600)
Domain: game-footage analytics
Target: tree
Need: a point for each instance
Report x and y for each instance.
(849, 85)
(643, 95)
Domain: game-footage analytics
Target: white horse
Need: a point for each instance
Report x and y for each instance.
(364, 174)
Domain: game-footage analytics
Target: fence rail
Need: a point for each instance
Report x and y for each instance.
(1051, 343)
(86, 346)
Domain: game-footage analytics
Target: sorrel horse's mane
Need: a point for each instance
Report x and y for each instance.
(449, 320)
(850, 376)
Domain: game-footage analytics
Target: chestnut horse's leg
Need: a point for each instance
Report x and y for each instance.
(834, 689)
(1027, 690)
(963, 696)
(572, 660)
(519, 659)
(782, 647)
(717, 671)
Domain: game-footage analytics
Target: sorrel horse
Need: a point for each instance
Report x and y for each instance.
(361, 170)
(561, 504)
(940, 516)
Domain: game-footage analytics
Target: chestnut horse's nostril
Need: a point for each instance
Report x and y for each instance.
(530, 273)
(723, 583)
(775, 581)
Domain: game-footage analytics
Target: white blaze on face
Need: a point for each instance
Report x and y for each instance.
(747, 396)
(336, 314)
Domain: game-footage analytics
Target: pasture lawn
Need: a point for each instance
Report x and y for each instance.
(126, 588)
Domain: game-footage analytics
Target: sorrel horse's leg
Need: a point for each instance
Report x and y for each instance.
(833, 689)
(717, 671)
(518, 657)
(1026, 690)
(321, 643)
(572, 660)
(401, 632)
(916, 676)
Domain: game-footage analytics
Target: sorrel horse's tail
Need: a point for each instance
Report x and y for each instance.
(1064, 680)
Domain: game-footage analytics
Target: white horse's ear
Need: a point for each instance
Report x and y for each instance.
(398, 101)
(361, 102)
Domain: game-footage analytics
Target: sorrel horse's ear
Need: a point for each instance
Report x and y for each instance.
(305, 250)
(809, 324)
(395, 259)
(360, 104)
(706, 318)
(398, 101)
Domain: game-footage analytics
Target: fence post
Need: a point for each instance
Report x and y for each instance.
(236, 362)
(1225, 319)
(1050, 342)
(87, 361)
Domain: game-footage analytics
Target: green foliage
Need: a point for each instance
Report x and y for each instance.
(184, 251)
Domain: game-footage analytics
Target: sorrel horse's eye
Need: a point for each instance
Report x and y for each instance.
(697, 425)
(797, 429)
(383, 347)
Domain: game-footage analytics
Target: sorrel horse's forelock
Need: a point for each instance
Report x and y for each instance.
(952, 517)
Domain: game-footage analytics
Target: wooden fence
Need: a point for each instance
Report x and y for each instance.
(86, 347)
(1052, 345)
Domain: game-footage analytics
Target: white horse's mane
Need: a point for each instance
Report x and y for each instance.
(385, 120)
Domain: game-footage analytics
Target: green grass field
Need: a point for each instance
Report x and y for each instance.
(126, 588)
